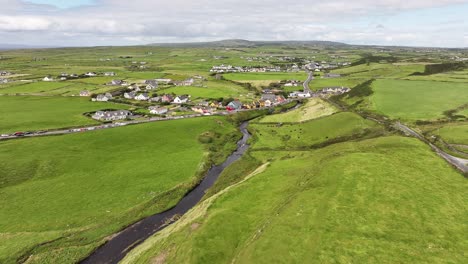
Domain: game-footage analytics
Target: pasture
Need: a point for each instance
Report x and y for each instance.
(80, 188)
(416, 100)
(312, 109)
(304, 135)
(344, 203)
(29, 113)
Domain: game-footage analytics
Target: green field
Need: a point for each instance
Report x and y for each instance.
(304, 135)
(213, 89)
(313, 108)
(454, 134)
(346, 203)
(29, 113)
(266, 76)
(416, 100)
(380, 70)
(79, 188)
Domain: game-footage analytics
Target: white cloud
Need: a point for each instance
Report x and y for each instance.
(137, 21)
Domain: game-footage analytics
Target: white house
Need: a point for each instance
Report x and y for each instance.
(130, 95)
(111, 115)
(103, 97)
(142, 97)
(84, 93)
(109, 74)
(151, 84)
(182, 99)
(91, 74)
(48, 79)
(156, 110)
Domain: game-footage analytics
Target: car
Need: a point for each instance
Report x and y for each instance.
(4, 135)
(27, 133)
(18, 134)
(40, 132)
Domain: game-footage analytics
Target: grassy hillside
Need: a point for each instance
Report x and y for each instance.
(416, 100)
(370, 201)
(307, 134)
(313, 108)
(80, 188)
(25, 113)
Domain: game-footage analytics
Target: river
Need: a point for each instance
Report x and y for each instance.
(118, 246)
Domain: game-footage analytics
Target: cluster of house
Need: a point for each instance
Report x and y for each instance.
(100, 97)
(166, 98)
(325, 92)
(323, 65)
(229, 68)
(112, 115)
(65, 76)
(293, 83)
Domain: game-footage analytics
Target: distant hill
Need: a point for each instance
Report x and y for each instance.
(239, 43)
(21, 46)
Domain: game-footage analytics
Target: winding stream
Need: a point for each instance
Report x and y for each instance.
(116, 248)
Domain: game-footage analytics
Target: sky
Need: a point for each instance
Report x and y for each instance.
(428, 23)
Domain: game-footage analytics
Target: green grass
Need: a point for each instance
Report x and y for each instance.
(213, 89)
(454, 134)
(416, 100)
(34, 88)
(83, 187)
(313, 108)
(318, 84)
(26, 113)
(375, 201)
(304, 135)
(267, 76)
(381, 70)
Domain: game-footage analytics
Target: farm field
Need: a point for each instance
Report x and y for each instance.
(313, 108)
(213, 89)
(344, 203)
(380, 70)
(28, 113)
(318, 84)
(454, 134)
(266, 76)
(416, 100)
(79, 188)
(304, 135)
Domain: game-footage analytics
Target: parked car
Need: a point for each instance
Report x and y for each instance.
(4, 135)
(18, 134)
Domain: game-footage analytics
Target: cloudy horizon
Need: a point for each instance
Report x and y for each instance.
(117, 22)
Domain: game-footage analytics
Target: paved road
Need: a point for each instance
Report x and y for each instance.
(461, 164)
(306, 83)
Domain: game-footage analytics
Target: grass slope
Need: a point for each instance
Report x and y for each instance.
(313, 108)
(370, 201)
(86, 186)
(304, 135)
(416, 100)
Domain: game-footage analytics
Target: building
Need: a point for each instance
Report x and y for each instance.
(103, 97)
(109, 74)
(151, 84)
(85, 93)
(182, 99)
(142, 97)
(90, 74)
(167, 98)
(2, 81)
(48, 79)
(130, 95)
(234, 105)
(117, 82)
(156, 110)
(111, 115)
(187, 82)
(165, 81)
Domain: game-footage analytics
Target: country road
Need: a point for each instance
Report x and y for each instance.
(461, 164)
(306, 83)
